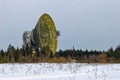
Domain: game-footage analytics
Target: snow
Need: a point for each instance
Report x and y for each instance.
(61, 71)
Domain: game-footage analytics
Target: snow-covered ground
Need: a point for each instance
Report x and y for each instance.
(53, 71)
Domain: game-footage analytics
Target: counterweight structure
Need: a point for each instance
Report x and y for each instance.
(43, 36)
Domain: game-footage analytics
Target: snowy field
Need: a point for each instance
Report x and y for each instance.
(68, 71)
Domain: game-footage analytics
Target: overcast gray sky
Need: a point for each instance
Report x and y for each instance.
(86, 24)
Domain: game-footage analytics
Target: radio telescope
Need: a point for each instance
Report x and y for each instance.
(43, 36)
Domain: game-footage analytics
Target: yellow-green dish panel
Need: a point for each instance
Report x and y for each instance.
(47, 33)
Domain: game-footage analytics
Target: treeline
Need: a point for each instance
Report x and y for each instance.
(92, 56)
(28, 55)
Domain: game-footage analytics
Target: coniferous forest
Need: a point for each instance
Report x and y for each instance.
(20, 55)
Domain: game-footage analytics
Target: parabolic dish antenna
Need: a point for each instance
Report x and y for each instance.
(43, 36)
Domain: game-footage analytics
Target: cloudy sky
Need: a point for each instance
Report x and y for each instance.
(86, 24)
